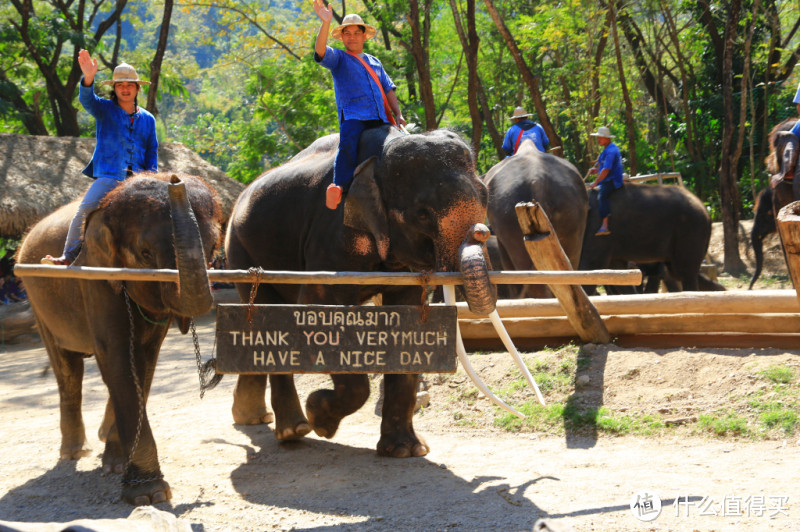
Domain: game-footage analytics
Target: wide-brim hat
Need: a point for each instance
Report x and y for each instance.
(353, 20)
(603, 131)
(125, 72)
(519, 112)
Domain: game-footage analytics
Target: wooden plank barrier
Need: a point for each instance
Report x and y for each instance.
(788, 221)
(546, 253)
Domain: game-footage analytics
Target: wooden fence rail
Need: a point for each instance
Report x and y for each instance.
(613, 277)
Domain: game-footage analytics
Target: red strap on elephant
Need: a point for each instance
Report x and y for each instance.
(374, 76)
(519, 137)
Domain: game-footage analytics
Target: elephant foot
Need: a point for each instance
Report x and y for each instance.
(244, 416)
(293, 432)
(74, 452)
(320, 413)
(147, 492)
(113, 459)
(402, 446)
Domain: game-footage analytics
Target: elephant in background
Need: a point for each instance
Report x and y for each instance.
(411, 202)
(556, 185)
(650, 223)
(135, 227)
(763, 225)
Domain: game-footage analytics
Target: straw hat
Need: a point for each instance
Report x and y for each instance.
(125, 72)
(353, 20)
(603, 131)
(519, 112)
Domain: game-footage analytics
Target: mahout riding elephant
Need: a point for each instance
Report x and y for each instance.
(123, 323)
(763, 225)
(411, 203)
(650, 223)
(556, 185)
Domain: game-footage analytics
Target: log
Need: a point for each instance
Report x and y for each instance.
(617, 277)
(788, 221)
(546, 253)
(632, 325)
(734, 301)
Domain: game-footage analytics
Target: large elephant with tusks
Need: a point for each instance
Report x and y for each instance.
(413, 204)
(152, 222)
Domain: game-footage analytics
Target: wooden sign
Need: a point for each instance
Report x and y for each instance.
(335, 339)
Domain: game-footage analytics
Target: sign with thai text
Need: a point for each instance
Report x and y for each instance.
(335, 339)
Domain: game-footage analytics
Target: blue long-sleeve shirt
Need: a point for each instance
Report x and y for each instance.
(121, 142)
(357, 96)
(612, 159)
(530, 130)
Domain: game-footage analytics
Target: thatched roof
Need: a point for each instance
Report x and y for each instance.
(40, 174)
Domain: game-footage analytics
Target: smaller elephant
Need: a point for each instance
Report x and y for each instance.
(650, 223)
(150, 221)
(556, 185)
(763, 225)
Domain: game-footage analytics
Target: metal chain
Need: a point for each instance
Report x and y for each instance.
(427, 293)
(255, 273)
(139, 390)
(203, 370)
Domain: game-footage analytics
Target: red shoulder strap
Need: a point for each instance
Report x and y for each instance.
(519, 137)
(374, 76)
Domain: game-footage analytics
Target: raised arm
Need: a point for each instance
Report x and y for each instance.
(325, 14)
(88, 67)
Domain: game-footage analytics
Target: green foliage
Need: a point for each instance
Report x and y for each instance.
(779, 374)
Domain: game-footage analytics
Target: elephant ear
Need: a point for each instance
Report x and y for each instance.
(363, 207)
(100, 247)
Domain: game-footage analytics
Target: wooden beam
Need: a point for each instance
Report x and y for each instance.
(734, 301)
(620, 277)
(547, 254)
(788, 221)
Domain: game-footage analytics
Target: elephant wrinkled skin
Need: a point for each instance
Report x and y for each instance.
(412, 201)
(556, 185)
(133, 228)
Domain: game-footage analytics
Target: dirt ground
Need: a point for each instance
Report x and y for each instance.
(476, 477)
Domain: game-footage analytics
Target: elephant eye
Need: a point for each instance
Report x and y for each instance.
(146, 255)
(423, 215)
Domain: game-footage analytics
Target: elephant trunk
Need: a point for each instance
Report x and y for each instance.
(480, 293)
(193, 286)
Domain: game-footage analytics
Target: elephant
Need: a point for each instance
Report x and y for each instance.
(556, 185)
(763, 225)
(650, 223)
(123, 323)
(410, 204)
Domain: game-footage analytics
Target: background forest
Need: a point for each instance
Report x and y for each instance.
(687, 86)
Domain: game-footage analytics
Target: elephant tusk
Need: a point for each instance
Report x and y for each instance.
(512, 350)
(450, 299)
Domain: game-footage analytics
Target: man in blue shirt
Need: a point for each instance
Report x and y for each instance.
(524, 129)
(789, 154)
(359, 100)
(609, 175)
(126, 143)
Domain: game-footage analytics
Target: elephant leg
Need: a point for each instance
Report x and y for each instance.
(68, 369)
(326, 408)
(290, 423)
(249, 405)
(113, 458)
(398, 438)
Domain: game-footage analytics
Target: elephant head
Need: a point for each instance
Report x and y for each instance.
(129, 229)
(421, 200)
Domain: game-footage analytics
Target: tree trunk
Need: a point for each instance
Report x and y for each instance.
(155, 65)
(729, 194)
(530, 80)
(470, 43)
(419, 50)
(625, 96)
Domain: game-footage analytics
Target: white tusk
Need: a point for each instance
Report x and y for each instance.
(512, 350)
(450, 299)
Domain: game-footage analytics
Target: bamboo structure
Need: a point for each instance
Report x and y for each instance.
(613, 277)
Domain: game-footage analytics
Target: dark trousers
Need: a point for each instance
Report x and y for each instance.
(604, 191)
(347, 156)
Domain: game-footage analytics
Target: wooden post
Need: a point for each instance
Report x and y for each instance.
(547, 254)
(788, 221)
